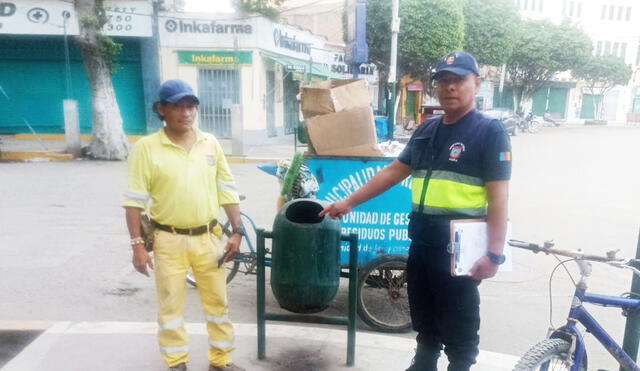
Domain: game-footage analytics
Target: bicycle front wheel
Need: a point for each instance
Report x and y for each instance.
(549, 354)
(383, 303)
(245, 261)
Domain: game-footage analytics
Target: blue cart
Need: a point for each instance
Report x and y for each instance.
(383, 243)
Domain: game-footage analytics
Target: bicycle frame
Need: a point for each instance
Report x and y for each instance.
(579, 313)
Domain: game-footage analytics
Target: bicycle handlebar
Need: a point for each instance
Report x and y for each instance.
(547, 248)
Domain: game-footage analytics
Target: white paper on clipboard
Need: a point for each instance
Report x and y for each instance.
(469, 242)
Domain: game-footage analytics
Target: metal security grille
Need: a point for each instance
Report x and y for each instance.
(218, 90)
(291, 105)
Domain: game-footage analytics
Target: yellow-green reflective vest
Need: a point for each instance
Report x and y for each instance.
(448, 193)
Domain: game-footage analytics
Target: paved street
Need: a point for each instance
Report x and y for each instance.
(64, 253)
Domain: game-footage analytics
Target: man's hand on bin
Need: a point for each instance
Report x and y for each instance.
(337, 210)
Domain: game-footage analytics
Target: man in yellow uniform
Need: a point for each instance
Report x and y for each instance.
(183, 174)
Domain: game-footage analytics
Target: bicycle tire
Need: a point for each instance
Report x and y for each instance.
(545, 353)
(246, 247)
(383, 303)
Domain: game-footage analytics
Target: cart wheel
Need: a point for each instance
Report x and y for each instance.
(382, 294)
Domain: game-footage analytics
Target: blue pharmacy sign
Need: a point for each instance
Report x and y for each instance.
(380, 223)
(357, 51)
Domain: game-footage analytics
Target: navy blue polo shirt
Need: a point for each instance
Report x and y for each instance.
(475, 145)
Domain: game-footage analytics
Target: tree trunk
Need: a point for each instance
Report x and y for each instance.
(109, 141)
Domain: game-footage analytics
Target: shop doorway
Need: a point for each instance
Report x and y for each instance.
(218, 90)
(291, 105)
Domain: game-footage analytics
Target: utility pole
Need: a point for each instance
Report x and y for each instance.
(395, 28)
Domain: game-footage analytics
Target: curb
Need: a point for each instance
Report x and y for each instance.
(61, 137)
(243, 160)
(36, 156)
(26, 325)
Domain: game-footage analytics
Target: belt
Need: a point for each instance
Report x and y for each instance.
(188, 231)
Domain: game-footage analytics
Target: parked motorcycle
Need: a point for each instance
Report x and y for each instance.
(529, 124)
(547, 120)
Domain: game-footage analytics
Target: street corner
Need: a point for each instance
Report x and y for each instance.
(15, 336)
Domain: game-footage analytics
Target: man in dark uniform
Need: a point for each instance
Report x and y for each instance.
(461, 166)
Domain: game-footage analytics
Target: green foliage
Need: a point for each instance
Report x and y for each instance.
(266, 8)
(603, 72)
(110, 50)
(89, 21)
(429, 30)
(379, 34)
(490, 30)
(543, 49)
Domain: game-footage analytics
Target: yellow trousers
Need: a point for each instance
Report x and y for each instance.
(174, 254)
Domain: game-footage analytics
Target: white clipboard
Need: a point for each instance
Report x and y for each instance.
(469, 242)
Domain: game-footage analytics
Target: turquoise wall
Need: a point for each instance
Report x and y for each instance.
(33, 79)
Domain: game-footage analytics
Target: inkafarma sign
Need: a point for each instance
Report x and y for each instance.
(192, 26)
(281, 39)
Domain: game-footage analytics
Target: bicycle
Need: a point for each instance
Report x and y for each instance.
(245, 260)
(564, 348)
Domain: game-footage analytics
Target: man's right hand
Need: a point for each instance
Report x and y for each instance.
(142, 259)
(337, 210)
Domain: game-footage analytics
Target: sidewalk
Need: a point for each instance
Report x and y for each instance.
(52, 148)
(82, 346)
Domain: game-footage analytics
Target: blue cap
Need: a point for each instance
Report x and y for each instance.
(460, 63)
(174, 90)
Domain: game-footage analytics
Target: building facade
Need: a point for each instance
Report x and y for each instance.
(40, 65)
(612, 25)
(249, 61)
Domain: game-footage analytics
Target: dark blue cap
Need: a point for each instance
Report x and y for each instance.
(174, 90)
(460, 63)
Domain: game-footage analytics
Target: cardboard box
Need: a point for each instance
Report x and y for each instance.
(333, 96)
(346, 133)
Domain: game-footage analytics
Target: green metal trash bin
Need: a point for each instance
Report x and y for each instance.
(305, 266)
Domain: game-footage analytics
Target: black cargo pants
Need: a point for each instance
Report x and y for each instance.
(445, 310)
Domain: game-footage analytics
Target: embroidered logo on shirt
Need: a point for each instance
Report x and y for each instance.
(455, 151)
(505, 156)
(211, 160)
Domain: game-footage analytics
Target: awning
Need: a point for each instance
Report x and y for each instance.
(300, 68)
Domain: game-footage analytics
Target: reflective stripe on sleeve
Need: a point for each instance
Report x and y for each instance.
(227, 187)
(136, 196)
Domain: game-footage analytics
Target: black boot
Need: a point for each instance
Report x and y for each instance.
(426, 359)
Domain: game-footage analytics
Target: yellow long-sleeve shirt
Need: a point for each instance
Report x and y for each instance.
(186, 189)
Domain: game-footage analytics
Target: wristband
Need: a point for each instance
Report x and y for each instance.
(239, 230)
(137, 241)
